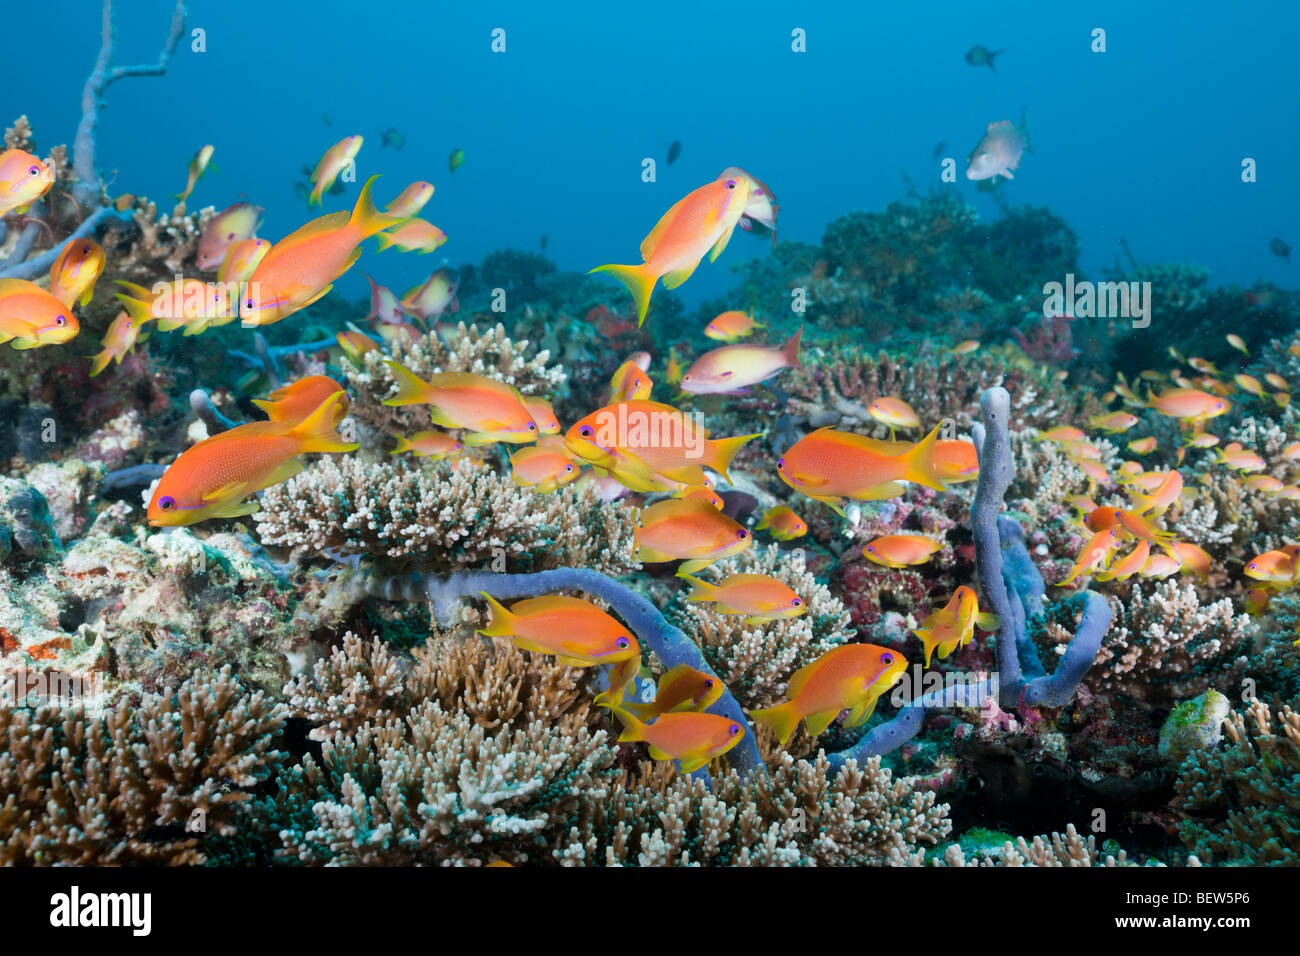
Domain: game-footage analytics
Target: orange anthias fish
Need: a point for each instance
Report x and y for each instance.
(852, 677)
(901, 550)
(1114, 422)
(23, 180)
(542, 469)
(198, 166)
(73, 275)
(434, 445)
(242, 259)
(829, 466)
(966, 347)
(1129, 565)
(1094, 555)
(1143, 446)
(732, 326)
(1277, 569)
(413, 235)
(190, 304)
(335, 160)
(893, 412)
(701, 223)
(1190, 557)
(297, 400)
(953, 625)
(302, 266)
(731, 369)
(1162, 497)
(956, 461)
(120, 339)
(411, 199)
(760, 597)
(630, 382)
(689, 738)
(688, 529)
(543, 415)
(782, 523)
(1062, 433)
(576, 631)
(213, 478)
(681, 689)
(233, 224)
(433, 297)
(1189, 403)
(639, 440)
(492, 411)
(356, 344)
(30, 317)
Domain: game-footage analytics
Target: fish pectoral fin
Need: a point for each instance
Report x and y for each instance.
(23, 342)
(574, 661)
(720, 244)
(658, 754)
(675, 278)
(886, 489)
(237, 509)
(817, 723)
(692, 764)
(1007, 173)
(645, 553)
(321, 294)
(862, 711)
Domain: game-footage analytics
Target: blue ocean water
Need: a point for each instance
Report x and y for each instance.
(1144, 141)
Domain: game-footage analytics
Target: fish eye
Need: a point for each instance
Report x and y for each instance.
(166, 503)
(731, 184)
(742, 534)
(622, 644)
(532, 426)
(61, 321)
(33, 170)
(708, 683)
(886, 658)
(249, 304)
(797, 602)
(230, 236)
(735, 729)
(585, 432)
(686, 378)
(780, 463)
(568, 468)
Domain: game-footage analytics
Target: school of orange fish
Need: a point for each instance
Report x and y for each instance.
(632, 442)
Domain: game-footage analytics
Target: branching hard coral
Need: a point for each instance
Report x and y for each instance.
(443, 517)
(435, 787)
(803, 814)
(1240, 804)
(490, 353)
(1068, 849)
(1166, 646)
(756, 661)
(137, 784)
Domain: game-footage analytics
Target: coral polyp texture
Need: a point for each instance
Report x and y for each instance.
(954, 530)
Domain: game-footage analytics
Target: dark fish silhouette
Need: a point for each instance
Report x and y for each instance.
(455, 160)
(982, 56)
(391, 137)
(674, 151)
(1280, 248)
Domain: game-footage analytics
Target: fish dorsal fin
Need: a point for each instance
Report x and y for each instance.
(798, 680)
(318, 226)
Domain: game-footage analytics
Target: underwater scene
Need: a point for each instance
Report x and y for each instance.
(512, 435)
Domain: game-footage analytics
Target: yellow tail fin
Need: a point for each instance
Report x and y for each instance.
(316, 431)
(501, 622)
(720, 451)
(411, 389)
(919, 462)
(704, 591)
(640, 281)
(140, 310)
(99, 362)
(781, 720)
(403, 444)
(366, 218)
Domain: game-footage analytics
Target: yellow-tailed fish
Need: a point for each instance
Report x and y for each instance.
(782, 523)
(730, 370)
(542, 469)
(241, 260)
(411, 199)
(492, 411)
(198, 166)
(731, 326)
(953, 625)
(901, 550)
(336, 159)
(413, 235)
(233, 224)
(23, 180)
(576, 631)
(692, 531)
(30, 317)
(689, 738)
(73, 275)
(760, 597)
(829, 466)
(681, 689)
(433, 444)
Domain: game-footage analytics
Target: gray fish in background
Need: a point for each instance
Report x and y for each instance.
(982, 56)
(391, 137)
(1280, 248)
(999, 151)
(674, 151)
